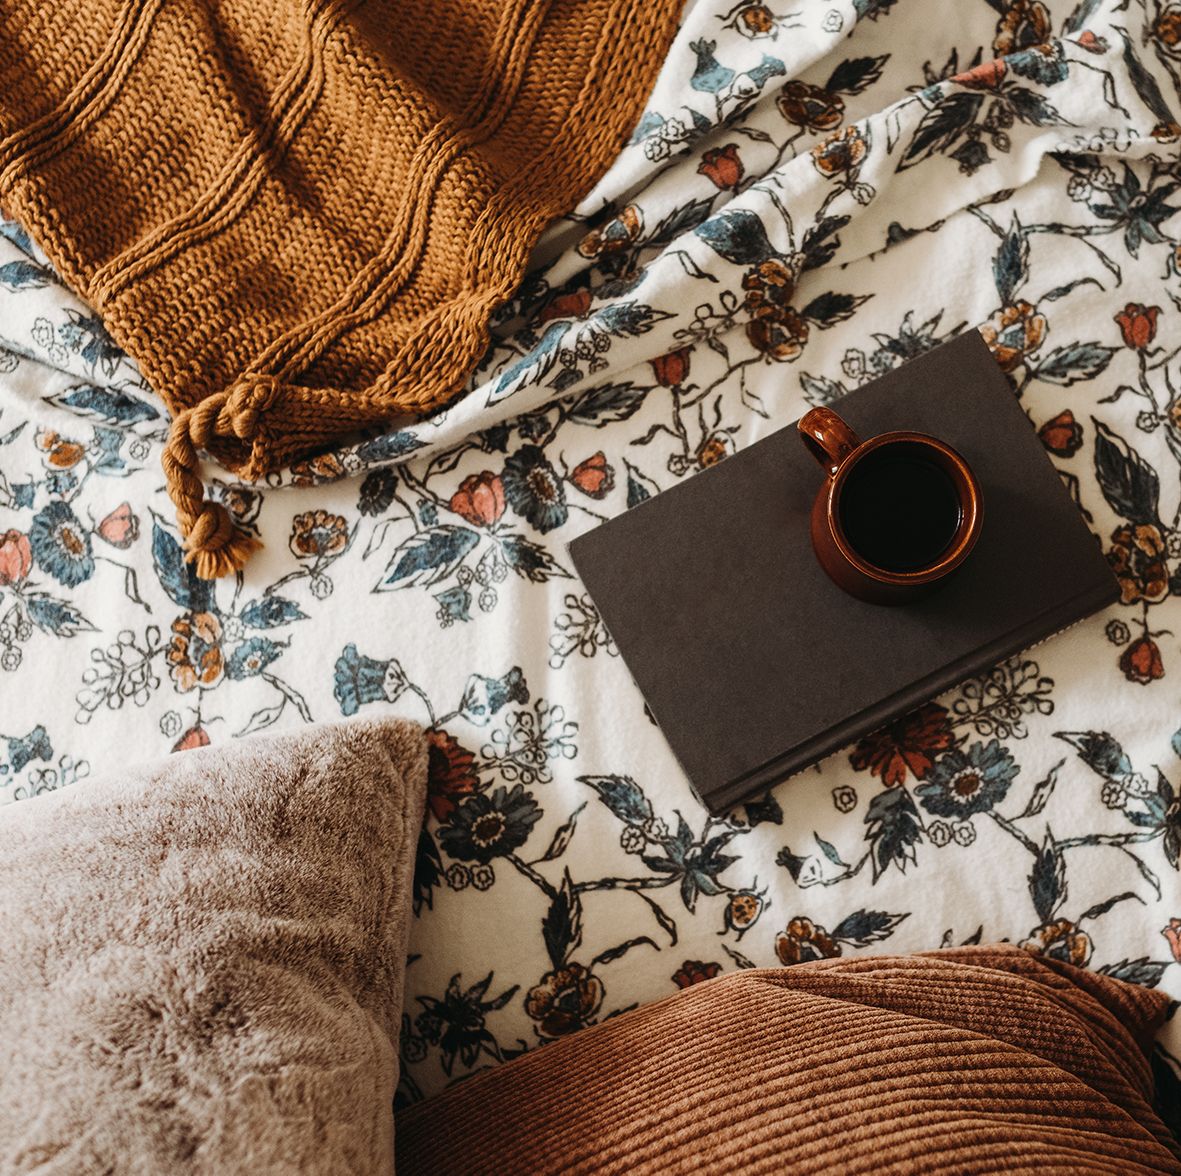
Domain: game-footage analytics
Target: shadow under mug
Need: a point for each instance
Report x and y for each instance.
(896, 515)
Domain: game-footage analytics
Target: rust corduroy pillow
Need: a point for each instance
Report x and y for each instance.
(972, 1060)
(297, 215)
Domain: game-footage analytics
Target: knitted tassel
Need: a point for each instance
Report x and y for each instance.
(214, 544)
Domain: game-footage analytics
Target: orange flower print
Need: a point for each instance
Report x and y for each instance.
(616, 236)
(1173, 934)
(120, 528)
(1090, 42)
(1062, 435)
(1141, 661)
(479, 499)
(802, 941)
(194, 737)
(1014, 333)
(840, 153)
(743, 910)
(756, 21)
(776, 329)
(317, 533)
(16, 558)
(1137, 324)
(243, 504)
(1025, 23)
(722, 165)
(1060, 940)
(811, 107)
(451, 773)
(1137, 557)
(59, 452)
(194, 654)
(713, 449)
(779, 336)
(985, 76)
(672, 370)
(594, 476)
(574, 305)
(325, 468)
(1167, 26)
(694, 972)
(564, 1000)
(909, 744)
(769, 286)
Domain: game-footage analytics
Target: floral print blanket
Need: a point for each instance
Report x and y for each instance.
(818, 192)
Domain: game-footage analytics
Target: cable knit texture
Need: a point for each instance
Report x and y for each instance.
(201, 959)
(298, 215)
(971, 1060)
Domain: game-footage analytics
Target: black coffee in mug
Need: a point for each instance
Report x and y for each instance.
(899, 509)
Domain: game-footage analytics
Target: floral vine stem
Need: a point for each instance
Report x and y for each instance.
(1118, 840)
(290, 693)
(529, 872)
(650, 883)
(430, 710)
(734, 367)
(130, 581)
(1010, 828)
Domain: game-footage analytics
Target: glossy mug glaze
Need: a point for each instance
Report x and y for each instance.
(840, 453)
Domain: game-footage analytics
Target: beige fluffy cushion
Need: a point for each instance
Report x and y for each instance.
(201, 960)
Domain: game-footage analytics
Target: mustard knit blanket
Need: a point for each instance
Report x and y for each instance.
(298, 215)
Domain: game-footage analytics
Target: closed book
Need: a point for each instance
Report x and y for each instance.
(754, 663)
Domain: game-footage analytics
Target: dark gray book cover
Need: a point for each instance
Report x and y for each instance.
(754, 664)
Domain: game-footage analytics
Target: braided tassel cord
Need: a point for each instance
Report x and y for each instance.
(214, 543)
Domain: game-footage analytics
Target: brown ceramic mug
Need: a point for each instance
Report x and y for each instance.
(896, 515)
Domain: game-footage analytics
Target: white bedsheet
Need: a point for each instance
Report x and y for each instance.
(819, 191)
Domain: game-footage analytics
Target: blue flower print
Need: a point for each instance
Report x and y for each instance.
(252, 657)
(360, 679)
(483, 697)
(490, 825)
(964, 783)
(533, 488)
(61, 545)
(34, 745)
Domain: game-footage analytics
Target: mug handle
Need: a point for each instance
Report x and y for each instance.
(828, 438)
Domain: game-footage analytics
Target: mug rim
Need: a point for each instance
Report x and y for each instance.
(966, 533)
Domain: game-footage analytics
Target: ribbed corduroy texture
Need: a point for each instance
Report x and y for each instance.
(297, 215)
(972, 1060)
